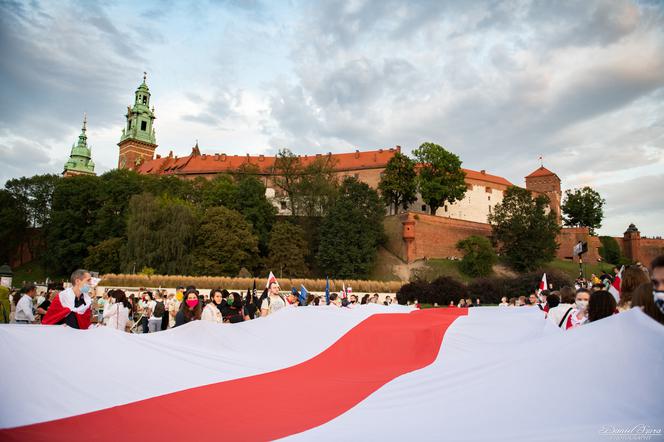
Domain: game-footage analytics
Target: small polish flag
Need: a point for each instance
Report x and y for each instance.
(615, 285)
(271, 279)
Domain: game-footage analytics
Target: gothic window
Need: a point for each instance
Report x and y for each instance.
(144, 125)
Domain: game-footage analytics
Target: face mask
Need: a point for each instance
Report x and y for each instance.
(659, 299)
(229, 300)
(192, 302)
(85, 288)
(581, 305)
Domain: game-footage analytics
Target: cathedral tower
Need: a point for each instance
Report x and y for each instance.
(138, 141)
(80, 160)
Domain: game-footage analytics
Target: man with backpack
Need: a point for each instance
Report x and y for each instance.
(156, 309)
(273, 300)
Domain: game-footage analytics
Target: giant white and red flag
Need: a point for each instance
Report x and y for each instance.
(369, 373)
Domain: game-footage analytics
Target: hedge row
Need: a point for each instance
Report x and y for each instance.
(210, 282)
(489, 290)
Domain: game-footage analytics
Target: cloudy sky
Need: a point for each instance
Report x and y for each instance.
(497, 82)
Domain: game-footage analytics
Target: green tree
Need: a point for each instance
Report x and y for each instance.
(106, 257)
(441, 179)
(287, 174)
(13, 223)
(583, 208)
(398, 183)
(219, 191)
(610, 250)
(224, 243)
(523, 230)
(317, 187)
(71, 227)
(161, 234)
(478, 256)
(116, 188)
(251, 202)
(35, 194)
(351, 231)
(288, 248)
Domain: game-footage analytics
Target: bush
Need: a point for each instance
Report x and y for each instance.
(416, 290)
(610, 250)
(489, 290)
(446, 289)
(478, 256)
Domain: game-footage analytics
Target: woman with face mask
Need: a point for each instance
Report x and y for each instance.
(190, 310)
(211, 311)
(234, 311)
(579, 314)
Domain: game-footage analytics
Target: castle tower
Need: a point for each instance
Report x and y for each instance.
(546, 182)
(632, 243)
(80, 160)
(138, 141)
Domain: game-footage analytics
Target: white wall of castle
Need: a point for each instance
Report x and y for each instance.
(476, 205)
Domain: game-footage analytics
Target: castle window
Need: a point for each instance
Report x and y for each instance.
(145, 99)
(283, 205)
(445, 208)
(489, 197)
(487, 189)
(144, 125)
(424, 207)
(129, 125)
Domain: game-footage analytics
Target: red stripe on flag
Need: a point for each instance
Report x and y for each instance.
(269, 405)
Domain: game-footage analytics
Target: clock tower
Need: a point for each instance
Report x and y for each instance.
(138, 142)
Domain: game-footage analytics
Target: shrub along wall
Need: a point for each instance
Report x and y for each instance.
(489, 290)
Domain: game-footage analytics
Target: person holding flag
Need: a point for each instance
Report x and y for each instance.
(614, 288)
(327, 290)
(273, 301)
(302, 298)
(72, 306)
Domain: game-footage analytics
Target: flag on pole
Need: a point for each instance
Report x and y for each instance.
(253, 291)
(270, 280)
(343, 290)
(303, 295)
(614, 289)
(327, 290)
(542, 285)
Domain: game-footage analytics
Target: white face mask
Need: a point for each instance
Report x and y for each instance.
(581, 305)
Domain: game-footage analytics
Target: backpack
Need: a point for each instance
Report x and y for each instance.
(159, 310)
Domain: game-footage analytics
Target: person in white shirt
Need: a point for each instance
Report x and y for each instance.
(273, 301)
(116, 313)
(503, 302)
(211, 311)
(24, 309)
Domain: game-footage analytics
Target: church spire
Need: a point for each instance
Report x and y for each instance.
(80, 160)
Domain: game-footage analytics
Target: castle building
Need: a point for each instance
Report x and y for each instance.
(80, 160)
(413, 234)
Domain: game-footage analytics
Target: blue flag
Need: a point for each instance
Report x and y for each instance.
(303, 295)
(327, 290)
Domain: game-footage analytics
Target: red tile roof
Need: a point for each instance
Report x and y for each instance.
(542, 171)
(220, 163)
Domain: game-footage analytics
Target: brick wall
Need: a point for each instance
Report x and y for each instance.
(570, 236)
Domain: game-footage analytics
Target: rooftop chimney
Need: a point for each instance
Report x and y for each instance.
(357, 154)
(483, 172)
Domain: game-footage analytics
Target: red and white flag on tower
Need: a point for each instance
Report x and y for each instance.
(542, 285)
(271, 279)
(615, 285)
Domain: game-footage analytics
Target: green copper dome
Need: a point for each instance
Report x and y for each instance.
(80, 160)
(139, 117)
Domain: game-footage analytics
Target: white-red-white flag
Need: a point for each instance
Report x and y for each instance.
(271, 279)
(543, 285)
(615, 285)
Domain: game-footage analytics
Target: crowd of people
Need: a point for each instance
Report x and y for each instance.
(152, 311)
